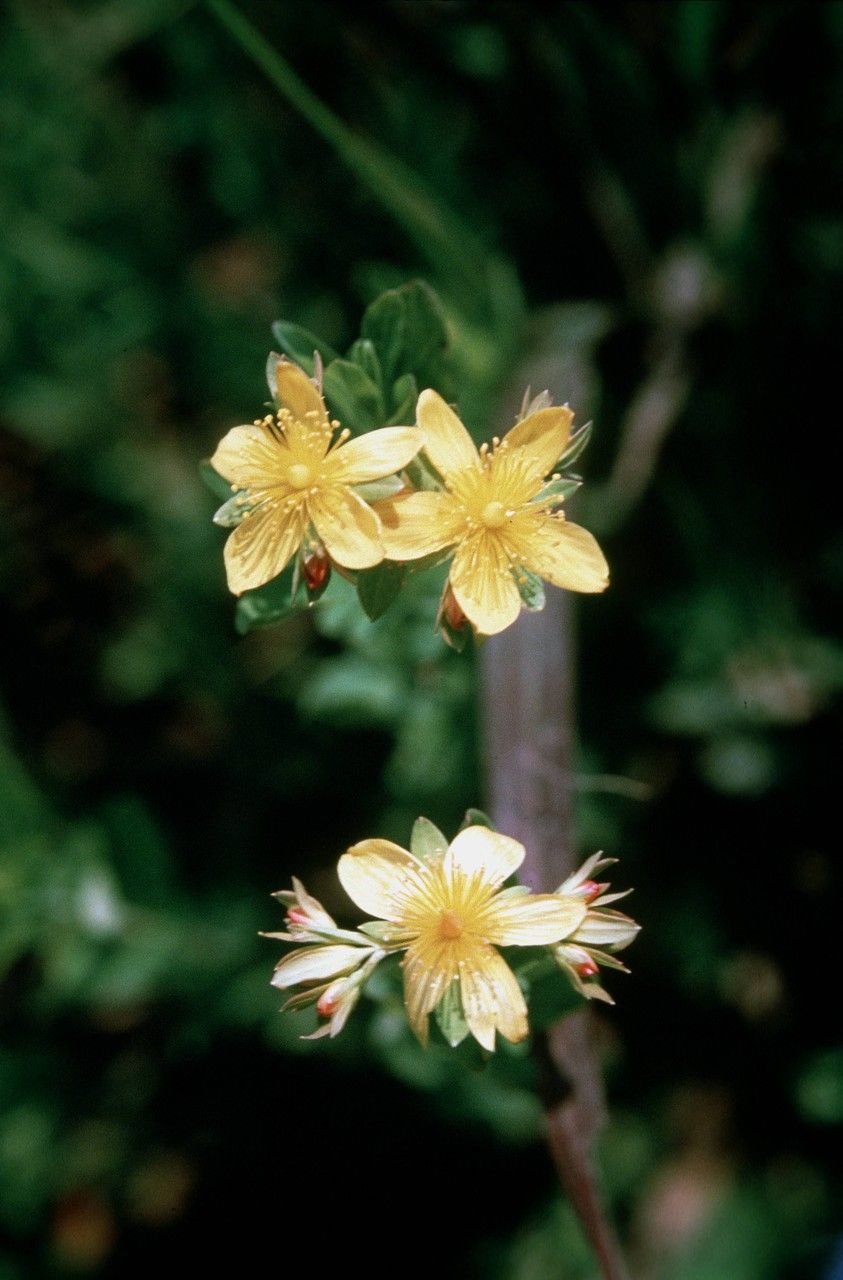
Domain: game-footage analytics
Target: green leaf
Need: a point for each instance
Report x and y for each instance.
(530, 588)
(219, 487)
(271, 603)
(229, 515)
(378, 587)
(427, 841)
(449, 1016)
(363, 353)
(407, 328)
(353, 396)
(423, 474)
(476, 818)
(299, 344)
(403, 400)
(576, 445)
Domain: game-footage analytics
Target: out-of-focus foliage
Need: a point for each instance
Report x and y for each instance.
(653, 194)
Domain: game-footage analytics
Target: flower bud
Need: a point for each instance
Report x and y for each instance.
(454, 615)
(316, 570)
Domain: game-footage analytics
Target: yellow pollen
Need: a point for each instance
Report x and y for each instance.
(299, 475)
(493, 514)
(450, 925)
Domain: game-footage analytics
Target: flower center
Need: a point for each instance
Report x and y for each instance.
(299, 475)
(450, 925)
(493, 514)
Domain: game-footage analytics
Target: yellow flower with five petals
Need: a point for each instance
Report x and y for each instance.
(292, 477)
(494, 513)
(449, 913)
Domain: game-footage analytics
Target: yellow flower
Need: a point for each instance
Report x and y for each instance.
(493, 513)
(448, 913)
(290, 478)
(597, 935)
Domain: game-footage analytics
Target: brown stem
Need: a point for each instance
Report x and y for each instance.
(529, 718)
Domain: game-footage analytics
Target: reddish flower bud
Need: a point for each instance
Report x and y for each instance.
(590, 890)
(326, 1005)
(295, 915)
(316, 570)
(454, 615)
(587, 969)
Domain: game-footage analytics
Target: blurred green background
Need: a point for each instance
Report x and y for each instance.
(643, 200)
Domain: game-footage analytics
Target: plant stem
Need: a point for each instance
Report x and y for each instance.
(529, 719)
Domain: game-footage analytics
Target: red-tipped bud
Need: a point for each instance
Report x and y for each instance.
(326, 1005)
(316, 570)
(295, 915)
(454, 615)
(590, 890)
(587, 968)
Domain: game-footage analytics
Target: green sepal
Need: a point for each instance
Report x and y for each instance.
(377, 490)
(229, 515)
(476, 818)
(427, 841)
(449, 1016)
(300, 344)
(352, 396)
(218, 485)
(379, 587)
(456, 640)
(273, 602)
(530, 588)
(560, 489)
(576, 445)
(379, 930)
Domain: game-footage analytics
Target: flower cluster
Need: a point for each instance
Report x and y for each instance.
(445, 908)
(495, 512)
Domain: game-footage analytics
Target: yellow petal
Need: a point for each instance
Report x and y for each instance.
(264, 543)
(562, 553)
(296, 392)
(349, 528)
(541, 438)
(381, 877)
(534, 920)
(311, 964)
(374, 455)
(487, 855)
(251, 457)
(429, 967)
(448, 444)
(491, 997)
(482, 582)
(417, 524)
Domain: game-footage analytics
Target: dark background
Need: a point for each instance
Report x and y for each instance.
(646, 196)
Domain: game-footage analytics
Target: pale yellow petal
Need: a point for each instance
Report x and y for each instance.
(349, 528)
(446, 441)
(417, 524)
(533, 920)
(481, 580)
(491, 997)
(312, 964)
(374, 455)
(381, 877)
(485, 855)
(264, 543)
(562, 553)
(429, 967)
(251, 457)
(541, 438)
(296, 392)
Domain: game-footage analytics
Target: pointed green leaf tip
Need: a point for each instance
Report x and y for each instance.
(427, 841)
(300, 344)
(476, 818)
(378, 587)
